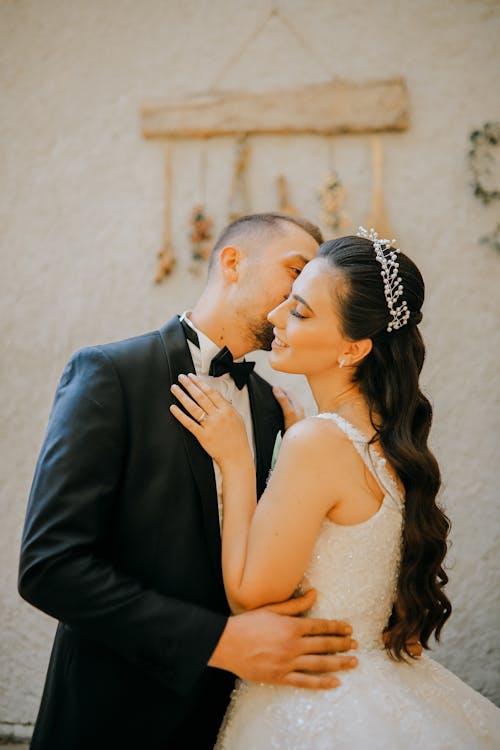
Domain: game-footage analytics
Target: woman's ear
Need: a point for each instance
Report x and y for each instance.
(356, 351)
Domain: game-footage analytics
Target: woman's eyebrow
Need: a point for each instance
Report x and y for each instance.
(302, 301)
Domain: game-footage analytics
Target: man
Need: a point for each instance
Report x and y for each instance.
(122, 538)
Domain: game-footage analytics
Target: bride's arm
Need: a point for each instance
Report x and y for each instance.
(265, 547)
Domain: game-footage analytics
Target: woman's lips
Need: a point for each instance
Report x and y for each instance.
(278, 343)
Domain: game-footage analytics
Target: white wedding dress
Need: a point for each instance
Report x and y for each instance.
(381, 704)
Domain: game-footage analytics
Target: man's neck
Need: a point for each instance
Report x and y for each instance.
(216, 323)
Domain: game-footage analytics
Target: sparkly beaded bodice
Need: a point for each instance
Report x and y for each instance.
(355, 568)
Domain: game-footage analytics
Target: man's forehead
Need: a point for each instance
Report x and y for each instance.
(288, 255)
(286, 244)
(299, 246)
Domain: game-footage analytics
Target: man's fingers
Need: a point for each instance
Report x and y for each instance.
(312, 682)
(316, 626)
(328, 644)
(312, 663)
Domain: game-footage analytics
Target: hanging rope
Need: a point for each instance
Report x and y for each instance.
(274, 13)
(304, 43)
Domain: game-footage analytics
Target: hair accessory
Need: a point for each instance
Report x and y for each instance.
(393, 288)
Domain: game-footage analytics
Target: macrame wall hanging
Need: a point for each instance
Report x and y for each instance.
(239, 197)
(484, 164)
(200, 222)
(322, 109)
(332, 196)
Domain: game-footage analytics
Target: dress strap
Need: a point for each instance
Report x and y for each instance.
(376, 464)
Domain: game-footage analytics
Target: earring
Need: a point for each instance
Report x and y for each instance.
(342, 362)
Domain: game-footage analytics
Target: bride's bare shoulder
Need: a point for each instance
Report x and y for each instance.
(319, 438)
(314, 455)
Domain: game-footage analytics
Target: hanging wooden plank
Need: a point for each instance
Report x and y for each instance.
(338, 106)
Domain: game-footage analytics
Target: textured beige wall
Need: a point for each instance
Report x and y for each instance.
(81, 215)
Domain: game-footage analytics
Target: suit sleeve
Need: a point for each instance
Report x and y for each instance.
(63, 570)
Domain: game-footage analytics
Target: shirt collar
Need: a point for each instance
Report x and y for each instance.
(208, 348)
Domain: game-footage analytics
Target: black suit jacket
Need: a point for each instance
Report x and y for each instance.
(122, 545)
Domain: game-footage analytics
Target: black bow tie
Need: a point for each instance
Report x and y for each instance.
(223, 361)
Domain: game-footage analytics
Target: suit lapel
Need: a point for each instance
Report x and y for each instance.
(266, 418)
(180, 361)
(267, 421)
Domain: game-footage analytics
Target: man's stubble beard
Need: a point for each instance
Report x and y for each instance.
(257, 332)
(263, 335)
(258, 329)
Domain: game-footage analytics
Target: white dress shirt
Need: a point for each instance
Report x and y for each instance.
(225, 385)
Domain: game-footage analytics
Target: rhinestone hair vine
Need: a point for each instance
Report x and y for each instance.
(393, 288)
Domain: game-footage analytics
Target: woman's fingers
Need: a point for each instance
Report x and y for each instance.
(219, 430)
(187, 422)
(196, 410)
(197, 397)
(196, 393)
(295, 606)
(195, 384)
(292, 413)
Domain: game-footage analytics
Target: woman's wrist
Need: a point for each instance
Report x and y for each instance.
(238, 463)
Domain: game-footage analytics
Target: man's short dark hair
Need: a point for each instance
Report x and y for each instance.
(255, 224)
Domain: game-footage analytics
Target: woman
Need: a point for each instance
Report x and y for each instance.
(350, 509)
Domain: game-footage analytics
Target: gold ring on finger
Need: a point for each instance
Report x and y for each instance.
(203, 417)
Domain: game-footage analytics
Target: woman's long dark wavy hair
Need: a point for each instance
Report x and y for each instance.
(401, 416)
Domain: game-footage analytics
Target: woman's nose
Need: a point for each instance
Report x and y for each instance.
(277, 315)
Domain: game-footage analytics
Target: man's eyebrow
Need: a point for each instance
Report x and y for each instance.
(302, 301)
(298, 256)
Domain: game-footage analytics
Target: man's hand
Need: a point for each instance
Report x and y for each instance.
(291, 412)
(280, 649)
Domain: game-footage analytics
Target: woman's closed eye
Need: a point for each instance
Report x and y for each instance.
(296, 311)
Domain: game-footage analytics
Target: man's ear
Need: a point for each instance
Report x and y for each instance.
(356, 351)
(229, 261)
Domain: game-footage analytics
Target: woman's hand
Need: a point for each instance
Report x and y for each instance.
(214, 422)
(291, 412)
